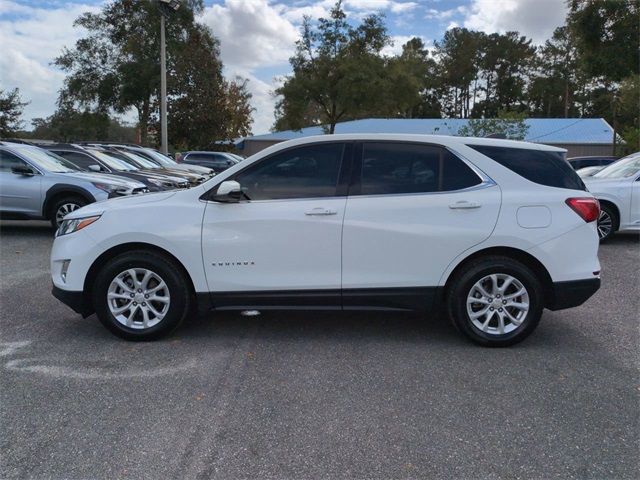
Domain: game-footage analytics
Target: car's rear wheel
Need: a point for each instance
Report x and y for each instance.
(141, 295)
(64, 206)
(495, 301)
(606, 222)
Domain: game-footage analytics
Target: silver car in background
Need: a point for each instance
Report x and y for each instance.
(37, 184)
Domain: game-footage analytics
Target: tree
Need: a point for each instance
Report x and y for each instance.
(411, 85)
(338, 72)
(68, 124)
(116, 67)
(203, 106)
(509, 124)
(458, 56)
(558, 82)
(607, 36)
(11, 107)
(506, 61)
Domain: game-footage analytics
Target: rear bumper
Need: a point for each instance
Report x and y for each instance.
(573, 293)
(75, 300)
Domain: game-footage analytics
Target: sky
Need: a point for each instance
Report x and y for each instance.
(257, 37)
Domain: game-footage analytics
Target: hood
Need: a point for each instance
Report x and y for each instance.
(594, 184)
(99, 208)
(194, 168)
(107, 178)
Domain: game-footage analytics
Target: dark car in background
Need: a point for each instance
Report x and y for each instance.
(591, 161)
(217, 161)
(97, 159)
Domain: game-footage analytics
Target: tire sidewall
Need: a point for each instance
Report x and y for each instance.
(463, 285)
(176, 285)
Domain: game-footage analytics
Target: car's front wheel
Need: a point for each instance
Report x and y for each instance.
(141, 295)
(63, 207)
(495, 301)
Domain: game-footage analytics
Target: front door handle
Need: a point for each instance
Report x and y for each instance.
(320, 211)
(464, 204)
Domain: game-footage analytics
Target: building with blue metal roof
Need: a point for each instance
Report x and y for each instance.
(580, 136)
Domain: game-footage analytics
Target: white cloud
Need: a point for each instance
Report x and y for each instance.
(445, 14)
(30, 41)
(254, 34)
(534, 18)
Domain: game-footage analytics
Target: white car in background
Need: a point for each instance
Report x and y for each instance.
(494, 231)
(617, 188)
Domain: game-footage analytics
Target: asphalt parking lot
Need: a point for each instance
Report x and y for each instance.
(315, 395)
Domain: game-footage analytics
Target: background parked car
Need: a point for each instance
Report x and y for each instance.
(617, 188)
(587, 172)
(37, 184)
(147, 166)
(593, 161)
(218, 161)
(164, 161)
(96, 159)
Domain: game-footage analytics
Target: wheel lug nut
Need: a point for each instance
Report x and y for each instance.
(504, 302)
(139, 290)
(144, 304)
(134, 304)
(131, 295)
(491, 308)
(146, 296)
(499, 309)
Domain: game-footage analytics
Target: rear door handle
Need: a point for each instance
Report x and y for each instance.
(319, 211)
(464, 204)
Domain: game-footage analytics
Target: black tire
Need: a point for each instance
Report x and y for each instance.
(171, 273)
(75, 200)
(607, 222)
(461, 286)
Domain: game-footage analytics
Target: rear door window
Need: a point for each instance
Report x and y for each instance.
(538, 166)
(396, 168)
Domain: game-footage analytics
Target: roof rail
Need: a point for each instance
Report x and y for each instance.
(17, 140)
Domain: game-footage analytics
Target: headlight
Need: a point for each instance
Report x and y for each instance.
(70, 226)
(160, 183)
(105, 187)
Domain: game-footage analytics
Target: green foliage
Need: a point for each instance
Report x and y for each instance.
(337, 72)
(11, 107)
(68, 124)
(116, 67)
(509, 124)
(607, 36)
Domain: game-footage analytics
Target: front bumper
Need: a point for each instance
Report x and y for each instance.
(75, 300)
(573, 293)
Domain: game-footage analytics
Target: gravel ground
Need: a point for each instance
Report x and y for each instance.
(315, 395)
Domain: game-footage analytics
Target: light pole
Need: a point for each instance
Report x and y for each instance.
(166, 8)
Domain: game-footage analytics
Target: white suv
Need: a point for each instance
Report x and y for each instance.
(492, 230)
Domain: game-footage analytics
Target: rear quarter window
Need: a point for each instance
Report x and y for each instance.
(538, 166)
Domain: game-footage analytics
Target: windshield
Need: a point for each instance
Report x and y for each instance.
(160, 158)
(624, 168)
(137, 159)
(46, 160)
(113, 162)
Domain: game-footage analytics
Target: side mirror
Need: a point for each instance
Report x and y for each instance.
(23, 170)
(94, 168)
(228, 191)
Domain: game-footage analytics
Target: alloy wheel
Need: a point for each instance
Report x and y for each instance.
(138, 298)
(65, 209)
(605, 224)
(498, 304)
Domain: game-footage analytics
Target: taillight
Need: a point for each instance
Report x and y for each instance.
(587, 207)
